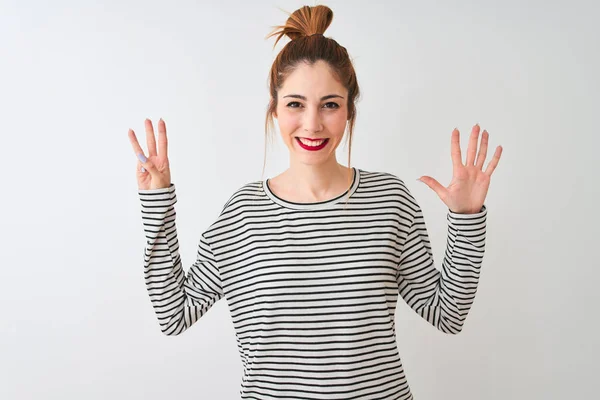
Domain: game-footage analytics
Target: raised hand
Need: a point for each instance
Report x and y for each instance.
(152, 171)
(469, 186)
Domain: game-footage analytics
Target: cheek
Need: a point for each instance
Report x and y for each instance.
(336, 123)
(288, 122)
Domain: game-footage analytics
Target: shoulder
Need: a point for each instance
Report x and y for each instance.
(243, 201)
(382, 179)
(389, 186)
(247, 193)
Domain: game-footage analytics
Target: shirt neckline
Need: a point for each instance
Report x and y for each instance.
(317, 205)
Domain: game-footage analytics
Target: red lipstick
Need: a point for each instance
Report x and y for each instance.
(312, 148)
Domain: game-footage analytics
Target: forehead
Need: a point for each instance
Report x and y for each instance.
(312, 81)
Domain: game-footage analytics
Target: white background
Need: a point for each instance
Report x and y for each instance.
(75, 75)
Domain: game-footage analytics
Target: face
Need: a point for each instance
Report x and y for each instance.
(312, 113)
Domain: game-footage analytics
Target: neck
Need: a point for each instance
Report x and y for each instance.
(317, 182)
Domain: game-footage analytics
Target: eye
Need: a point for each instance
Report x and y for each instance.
(331, 103)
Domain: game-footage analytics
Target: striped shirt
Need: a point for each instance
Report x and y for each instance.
(312, 287)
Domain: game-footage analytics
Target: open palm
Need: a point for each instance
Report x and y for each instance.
(469, 186)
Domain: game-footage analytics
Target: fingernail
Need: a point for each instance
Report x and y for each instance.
(142, 157)
(143, 170)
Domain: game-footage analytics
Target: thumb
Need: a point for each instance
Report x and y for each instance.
(433, 185)
(147, 165)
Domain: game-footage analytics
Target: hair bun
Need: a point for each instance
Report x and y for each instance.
(305, 21)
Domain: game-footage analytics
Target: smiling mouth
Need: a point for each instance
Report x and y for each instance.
(312, 144)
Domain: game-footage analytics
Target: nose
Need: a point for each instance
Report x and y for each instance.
(312, 120)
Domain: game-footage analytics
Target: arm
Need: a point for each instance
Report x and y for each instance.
(178, 300)
(443, 298)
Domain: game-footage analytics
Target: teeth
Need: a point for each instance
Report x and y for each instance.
(312, 143)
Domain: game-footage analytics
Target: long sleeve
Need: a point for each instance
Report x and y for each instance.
(178, 300)
(442, 297)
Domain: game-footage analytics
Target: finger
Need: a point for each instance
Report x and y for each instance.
(162, 138)
(140, 169)
(482, 150)
(494, 161)
(455, 149)
(146, 165)
(434, 185)
(134, 142)
(472, 149)
(150, 139)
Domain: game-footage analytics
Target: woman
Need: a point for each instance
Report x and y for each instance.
(311, 261)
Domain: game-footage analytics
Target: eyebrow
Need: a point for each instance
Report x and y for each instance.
(299, 96)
